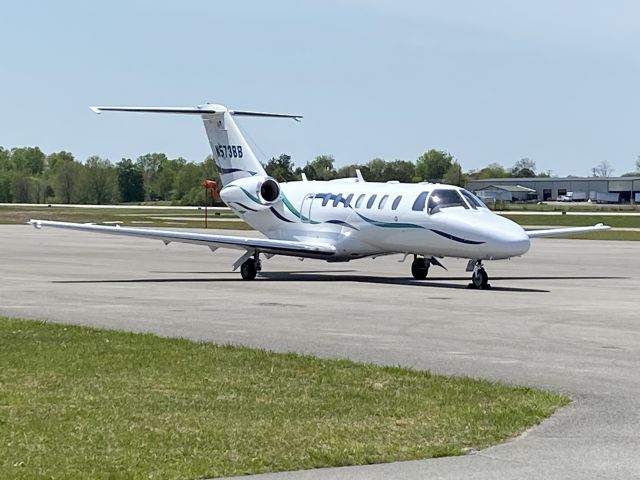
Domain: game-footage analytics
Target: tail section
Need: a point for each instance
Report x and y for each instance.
(233, 156)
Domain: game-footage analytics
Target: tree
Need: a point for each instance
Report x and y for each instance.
(638, 164)
(493, 170)
(524, 168)
(321, 168)
(5, 186)
(99, 176)
(66, 177)
(400, 170)
(21, 191)
(165, 179)
(5, 160)
(376, 170)
(150, 165)
(454, 175)
(349, 171)
(130, 181)
(433, 164)
(281, 168)
(29, 160)
(603, 169)
(188, 184)
(56, 159)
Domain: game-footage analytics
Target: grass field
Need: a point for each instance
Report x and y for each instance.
(618, 221)
(85, 403)
(615, 221)
(566, 207)
(136, 217)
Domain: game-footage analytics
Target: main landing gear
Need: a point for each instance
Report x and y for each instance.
(250, 268)
(420, 267)
(479, 278)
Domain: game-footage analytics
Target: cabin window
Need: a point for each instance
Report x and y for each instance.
(396, 202)
(336, 201)
(371, 201)
(444, 199)
(347, 201)
(420, 202)
(359, 201)
(383, 202)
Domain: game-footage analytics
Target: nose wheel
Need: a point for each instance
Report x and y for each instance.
(479, 278)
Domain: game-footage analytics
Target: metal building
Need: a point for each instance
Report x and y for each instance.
(506, 193)
(597, 189)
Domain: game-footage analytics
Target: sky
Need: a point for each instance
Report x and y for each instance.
(494, 81)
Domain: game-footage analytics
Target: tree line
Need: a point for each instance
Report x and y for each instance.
(28, 175)
(433, 166)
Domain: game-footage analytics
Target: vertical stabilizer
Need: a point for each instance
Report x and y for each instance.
(232, 154)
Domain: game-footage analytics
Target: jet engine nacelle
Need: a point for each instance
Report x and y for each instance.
(256, 193)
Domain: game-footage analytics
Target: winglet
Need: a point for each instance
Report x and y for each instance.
(96, 110)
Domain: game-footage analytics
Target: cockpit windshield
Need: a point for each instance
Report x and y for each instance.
(440, 199)
(474, 201)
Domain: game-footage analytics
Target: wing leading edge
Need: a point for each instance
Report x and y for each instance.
(262, 245)
(552, 232)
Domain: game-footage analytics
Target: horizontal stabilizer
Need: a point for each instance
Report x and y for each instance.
(207, 109)
(553, 232)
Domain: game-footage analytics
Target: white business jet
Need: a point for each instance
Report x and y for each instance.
(338, 220)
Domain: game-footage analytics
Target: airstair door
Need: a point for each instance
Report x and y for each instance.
(305, 208)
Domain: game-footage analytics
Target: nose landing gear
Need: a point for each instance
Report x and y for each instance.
(479, 278)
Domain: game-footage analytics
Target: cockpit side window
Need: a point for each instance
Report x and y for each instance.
(472, 199)
(440, 199)
(420, 202)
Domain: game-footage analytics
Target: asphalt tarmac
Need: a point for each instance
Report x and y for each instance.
(565, 317)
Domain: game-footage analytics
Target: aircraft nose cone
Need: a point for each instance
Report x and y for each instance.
(511, 238)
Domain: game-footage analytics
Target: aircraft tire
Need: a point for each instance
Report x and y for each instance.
(419, 268)
(480, 279)
(248, 269)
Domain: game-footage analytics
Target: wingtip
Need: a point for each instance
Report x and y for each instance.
(96, 110)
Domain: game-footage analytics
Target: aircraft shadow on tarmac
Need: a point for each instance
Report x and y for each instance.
(324, 276)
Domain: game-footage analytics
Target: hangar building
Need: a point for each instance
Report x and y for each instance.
(596, 189)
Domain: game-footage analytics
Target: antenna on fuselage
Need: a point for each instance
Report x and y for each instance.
(359, 176)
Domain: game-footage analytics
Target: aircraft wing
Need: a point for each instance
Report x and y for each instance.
(262, 245)
(552, 232)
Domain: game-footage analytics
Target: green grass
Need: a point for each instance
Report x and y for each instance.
(561, 207)
(85, 403)
(620, 235)
(132, 216)
(620, 221)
